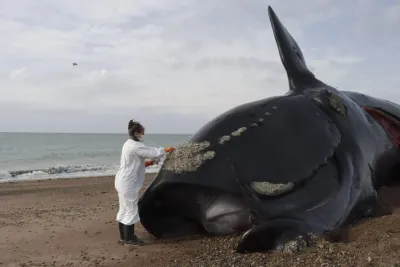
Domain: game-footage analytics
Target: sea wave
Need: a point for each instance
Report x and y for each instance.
(65, 171)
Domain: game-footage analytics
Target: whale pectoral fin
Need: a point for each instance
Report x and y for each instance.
(291, 55)
(287, 235)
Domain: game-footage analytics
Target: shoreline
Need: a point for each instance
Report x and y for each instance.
(59, 179)
(5, 181)
(71, 222)
(81, 172)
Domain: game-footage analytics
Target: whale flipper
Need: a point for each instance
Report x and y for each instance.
(291, 56)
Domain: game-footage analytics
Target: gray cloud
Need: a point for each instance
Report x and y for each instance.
(182, 61)
(244, 63)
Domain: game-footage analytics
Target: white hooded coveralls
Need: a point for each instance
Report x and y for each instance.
(130, 177)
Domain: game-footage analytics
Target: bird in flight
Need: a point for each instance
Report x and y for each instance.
(74, 64)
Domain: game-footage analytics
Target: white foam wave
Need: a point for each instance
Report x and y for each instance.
(66, 171)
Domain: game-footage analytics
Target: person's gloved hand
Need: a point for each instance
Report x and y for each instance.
(169, 149)
(148, 163)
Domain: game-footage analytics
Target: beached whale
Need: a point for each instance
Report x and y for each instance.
(280, 168)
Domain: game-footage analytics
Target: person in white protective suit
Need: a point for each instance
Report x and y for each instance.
(129, 180)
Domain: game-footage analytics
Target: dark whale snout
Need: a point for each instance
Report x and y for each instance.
(184, 209)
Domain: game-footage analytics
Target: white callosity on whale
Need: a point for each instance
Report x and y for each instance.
(239, 131)
(271, 189)
(336, 103)
(188, 157)
(224, 139)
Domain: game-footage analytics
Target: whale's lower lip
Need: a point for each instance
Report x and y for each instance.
(184, 210)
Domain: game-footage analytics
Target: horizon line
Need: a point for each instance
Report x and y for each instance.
(10, 132)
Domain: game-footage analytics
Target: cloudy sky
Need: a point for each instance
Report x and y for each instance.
(175, 64)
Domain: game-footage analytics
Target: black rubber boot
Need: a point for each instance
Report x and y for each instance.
(121, 232)
(129, 236)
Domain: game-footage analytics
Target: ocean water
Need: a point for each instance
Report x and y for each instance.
(36, 156)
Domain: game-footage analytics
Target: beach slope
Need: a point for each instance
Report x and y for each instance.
(71, 222)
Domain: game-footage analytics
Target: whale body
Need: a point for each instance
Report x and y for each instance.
(307, 162)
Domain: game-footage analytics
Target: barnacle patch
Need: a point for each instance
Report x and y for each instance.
(253, 125)
(209, 154)
(224, 139)
(300, 243)
(188, 157)
(271, 189)
(336, 104)
(260, 120)
(267, 114)
(239, 131)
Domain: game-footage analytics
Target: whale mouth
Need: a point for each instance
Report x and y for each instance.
(187, 210)
(389, 122)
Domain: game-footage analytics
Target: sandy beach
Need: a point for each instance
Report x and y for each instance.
(71, 222)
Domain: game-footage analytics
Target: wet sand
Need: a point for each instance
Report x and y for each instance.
(71, 222)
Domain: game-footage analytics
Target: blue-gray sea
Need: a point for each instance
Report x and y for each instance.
(35, 156)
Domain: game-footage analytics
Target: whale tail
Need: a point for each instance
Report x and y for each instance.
(299, 76)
